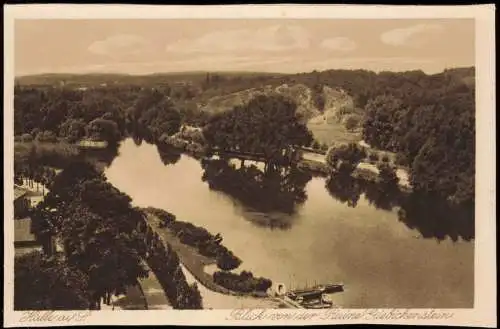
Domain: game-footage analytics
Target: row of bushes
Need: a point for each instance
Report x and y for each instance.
(319, 146)
(164, 262)
(374, 157)
(207, 244)
(50, 154)
(165, 216)
(243, 282)
(41, 136)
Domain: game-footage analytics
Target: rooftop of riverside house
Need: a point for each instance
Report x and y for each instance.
(18, 192)
(93, 143)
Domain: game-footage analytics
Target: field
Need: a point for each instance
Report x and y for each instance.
(333, 132)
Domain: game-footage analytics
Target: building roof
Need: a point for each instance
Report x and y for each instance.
(93, 143)
(22, 230)
(18, 193)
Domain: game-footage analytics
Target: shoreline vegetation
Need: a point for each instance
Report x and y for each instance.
(89, 200)
(196, 258)
(314, 167)
(424, 123)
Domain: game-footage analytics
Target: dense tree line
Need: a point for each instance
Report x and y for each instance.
(97, 226)
(428, 120)
(279, 190)
(207, 244)
(243, 282)
(418, 116)
(42, 283)
(164, 261)
(104, 113)
(99, 230)
(433, 131)
(32, 166)
(421, 211)
(267, 125)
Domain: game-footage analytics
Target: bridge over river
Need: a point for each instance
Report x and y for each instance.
(292, 154)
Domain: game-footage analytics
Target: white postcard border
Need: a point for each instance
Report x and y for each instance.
(484, 312)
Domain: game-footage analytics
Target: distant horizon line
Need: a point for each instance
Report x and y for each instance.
(233, 72)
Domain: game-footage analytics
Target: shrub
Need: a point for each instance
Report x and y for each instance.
(243, 282)
(401, 160)
(165, 217)
(373, 157)
(227, 261)
(385, 158)
(352, 122)
(387, 174)
(46, 136)
(344, 158)
(26, 138)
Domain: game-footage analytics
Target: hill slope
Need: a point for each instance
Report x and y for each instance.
(326, 121)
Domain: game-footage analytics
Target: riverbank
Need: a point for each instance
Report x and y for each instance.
(364, 171)
(189, 256)
(315, 164)
(320, 229)
(196, 263)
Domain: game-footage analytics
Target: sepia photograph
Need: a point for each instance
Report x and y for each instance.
(314, 165)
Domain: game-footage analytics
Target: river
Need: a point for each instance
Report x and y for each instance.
(382, 262)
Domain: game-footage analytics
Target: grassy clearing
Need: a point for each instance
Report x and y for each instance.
(61, 149)
(334, 132)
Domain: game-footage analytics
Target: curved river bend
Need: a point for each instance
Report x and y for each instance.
(382, 262)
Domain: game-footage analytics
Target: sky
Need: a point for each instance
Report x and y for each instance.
(273, 45)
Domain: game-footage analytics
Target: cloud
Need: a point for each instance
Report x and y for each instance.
(118, 45)
(339, 43)
(413, 36)
(270, 39)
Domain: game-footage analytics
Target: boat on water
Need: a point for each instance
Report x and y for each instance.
(330, 288)
(322, 302)
(322, 288)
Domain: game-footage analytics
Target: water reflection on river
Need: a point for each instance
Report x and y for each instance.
(325, 238)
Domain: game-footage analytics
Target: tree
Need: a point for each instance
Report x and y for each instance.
(344, 188)
(351, 122)
(73, 130)
(103, 129)
(48, 284)
(387, 175)
(98, 226)
(267, 125)
(373, 157)
(46, 136)
(381, 114)
(345, 158)
(157, 115)
(227, 261)
(194, 301)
